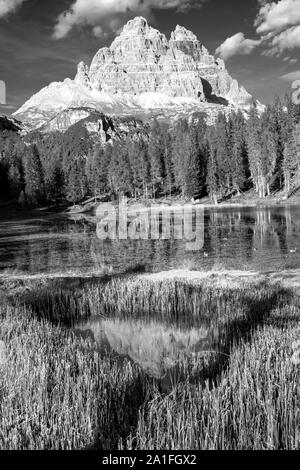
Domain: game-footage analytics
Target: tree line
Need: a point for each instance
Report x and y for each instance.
(188, 158)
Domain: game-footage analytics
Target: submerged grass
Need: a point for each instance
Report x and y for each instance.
(57, 391)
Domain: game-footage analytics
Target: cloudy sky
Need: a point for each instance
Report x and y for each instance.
(43, 40)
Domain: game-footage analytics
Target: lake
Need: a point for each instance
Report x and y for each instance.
(263, 239)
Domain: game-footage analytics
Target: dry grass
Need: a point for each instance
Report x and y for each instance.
(57, 391)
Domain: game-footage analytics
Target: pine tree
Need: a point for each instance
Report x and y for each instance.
(76, 145)
(291, 162)
(180, 153)
(156, 157)
(279, 118)
(201, 130)
(239, 157)
(139, 163)
(22, 200)
(169, 178)
(76, 187)
(49, 147)
(54, 183)
(222, 155)
(212, 167)
(120, 173)
(254, 148)
(15, 181)
(193, 168)
(34, 181)
(97, 170)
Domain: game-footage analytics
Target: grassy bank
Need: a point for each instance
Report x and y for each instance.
(58, 390)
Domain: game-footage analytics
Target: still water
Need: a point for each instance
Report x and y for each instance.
(166, 353)
(263, 239)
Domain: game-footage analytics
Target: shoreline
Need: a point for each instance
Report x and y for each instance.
(231, 279)
(10, 209)
(179, 203)
(289, 278)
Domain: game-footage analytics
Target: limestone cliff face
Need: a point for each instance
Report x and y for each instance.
(142, 60)
(67, 118)
(142, 73)
(99, 126)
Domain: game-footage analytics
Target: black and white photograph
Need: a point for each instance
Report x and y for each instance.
(149, 228)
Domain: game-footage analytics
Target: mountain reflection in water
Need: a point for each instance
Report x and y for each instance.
(159, 350)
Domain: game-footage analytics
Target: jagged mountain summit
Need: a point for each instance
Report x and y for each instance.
(142, 73)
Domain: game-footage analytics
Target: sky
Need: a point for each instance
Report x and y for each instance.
(43, 40)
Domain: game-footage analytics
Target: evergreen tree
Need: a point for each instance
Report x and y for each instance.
(222, 155)
(76, 187)
(97, 170)
(239, 157)
(76, 145)
(140, 165)
(254, 149)
(50, 151)
(120, 172)
(156, 157)
(34, 180)
(193, 168)
(269, 149)
(54, 183)
(180, 153)
(169, 178)
(212, 167)
(201, 130)
(15, 181)
(291, 163)
(280, 119)
(22, 200)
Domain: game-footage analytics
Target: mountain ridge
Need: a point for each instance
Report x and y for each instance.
(143, 73)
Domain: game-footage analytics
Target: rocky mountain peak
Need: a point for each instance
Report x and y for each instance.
(138, 25)
(82, 76)
(142, 72)
(183, 34)
(136, 39)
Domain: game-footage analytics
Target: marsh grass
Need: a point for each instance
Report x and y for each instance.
(58, 392)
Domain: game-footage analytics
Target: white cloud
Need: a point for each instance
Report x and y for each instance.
(236, 45)
(278, 24)
(291, 77)
(9, 6)
(277, 16)
(106, 16)
(287, 40)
